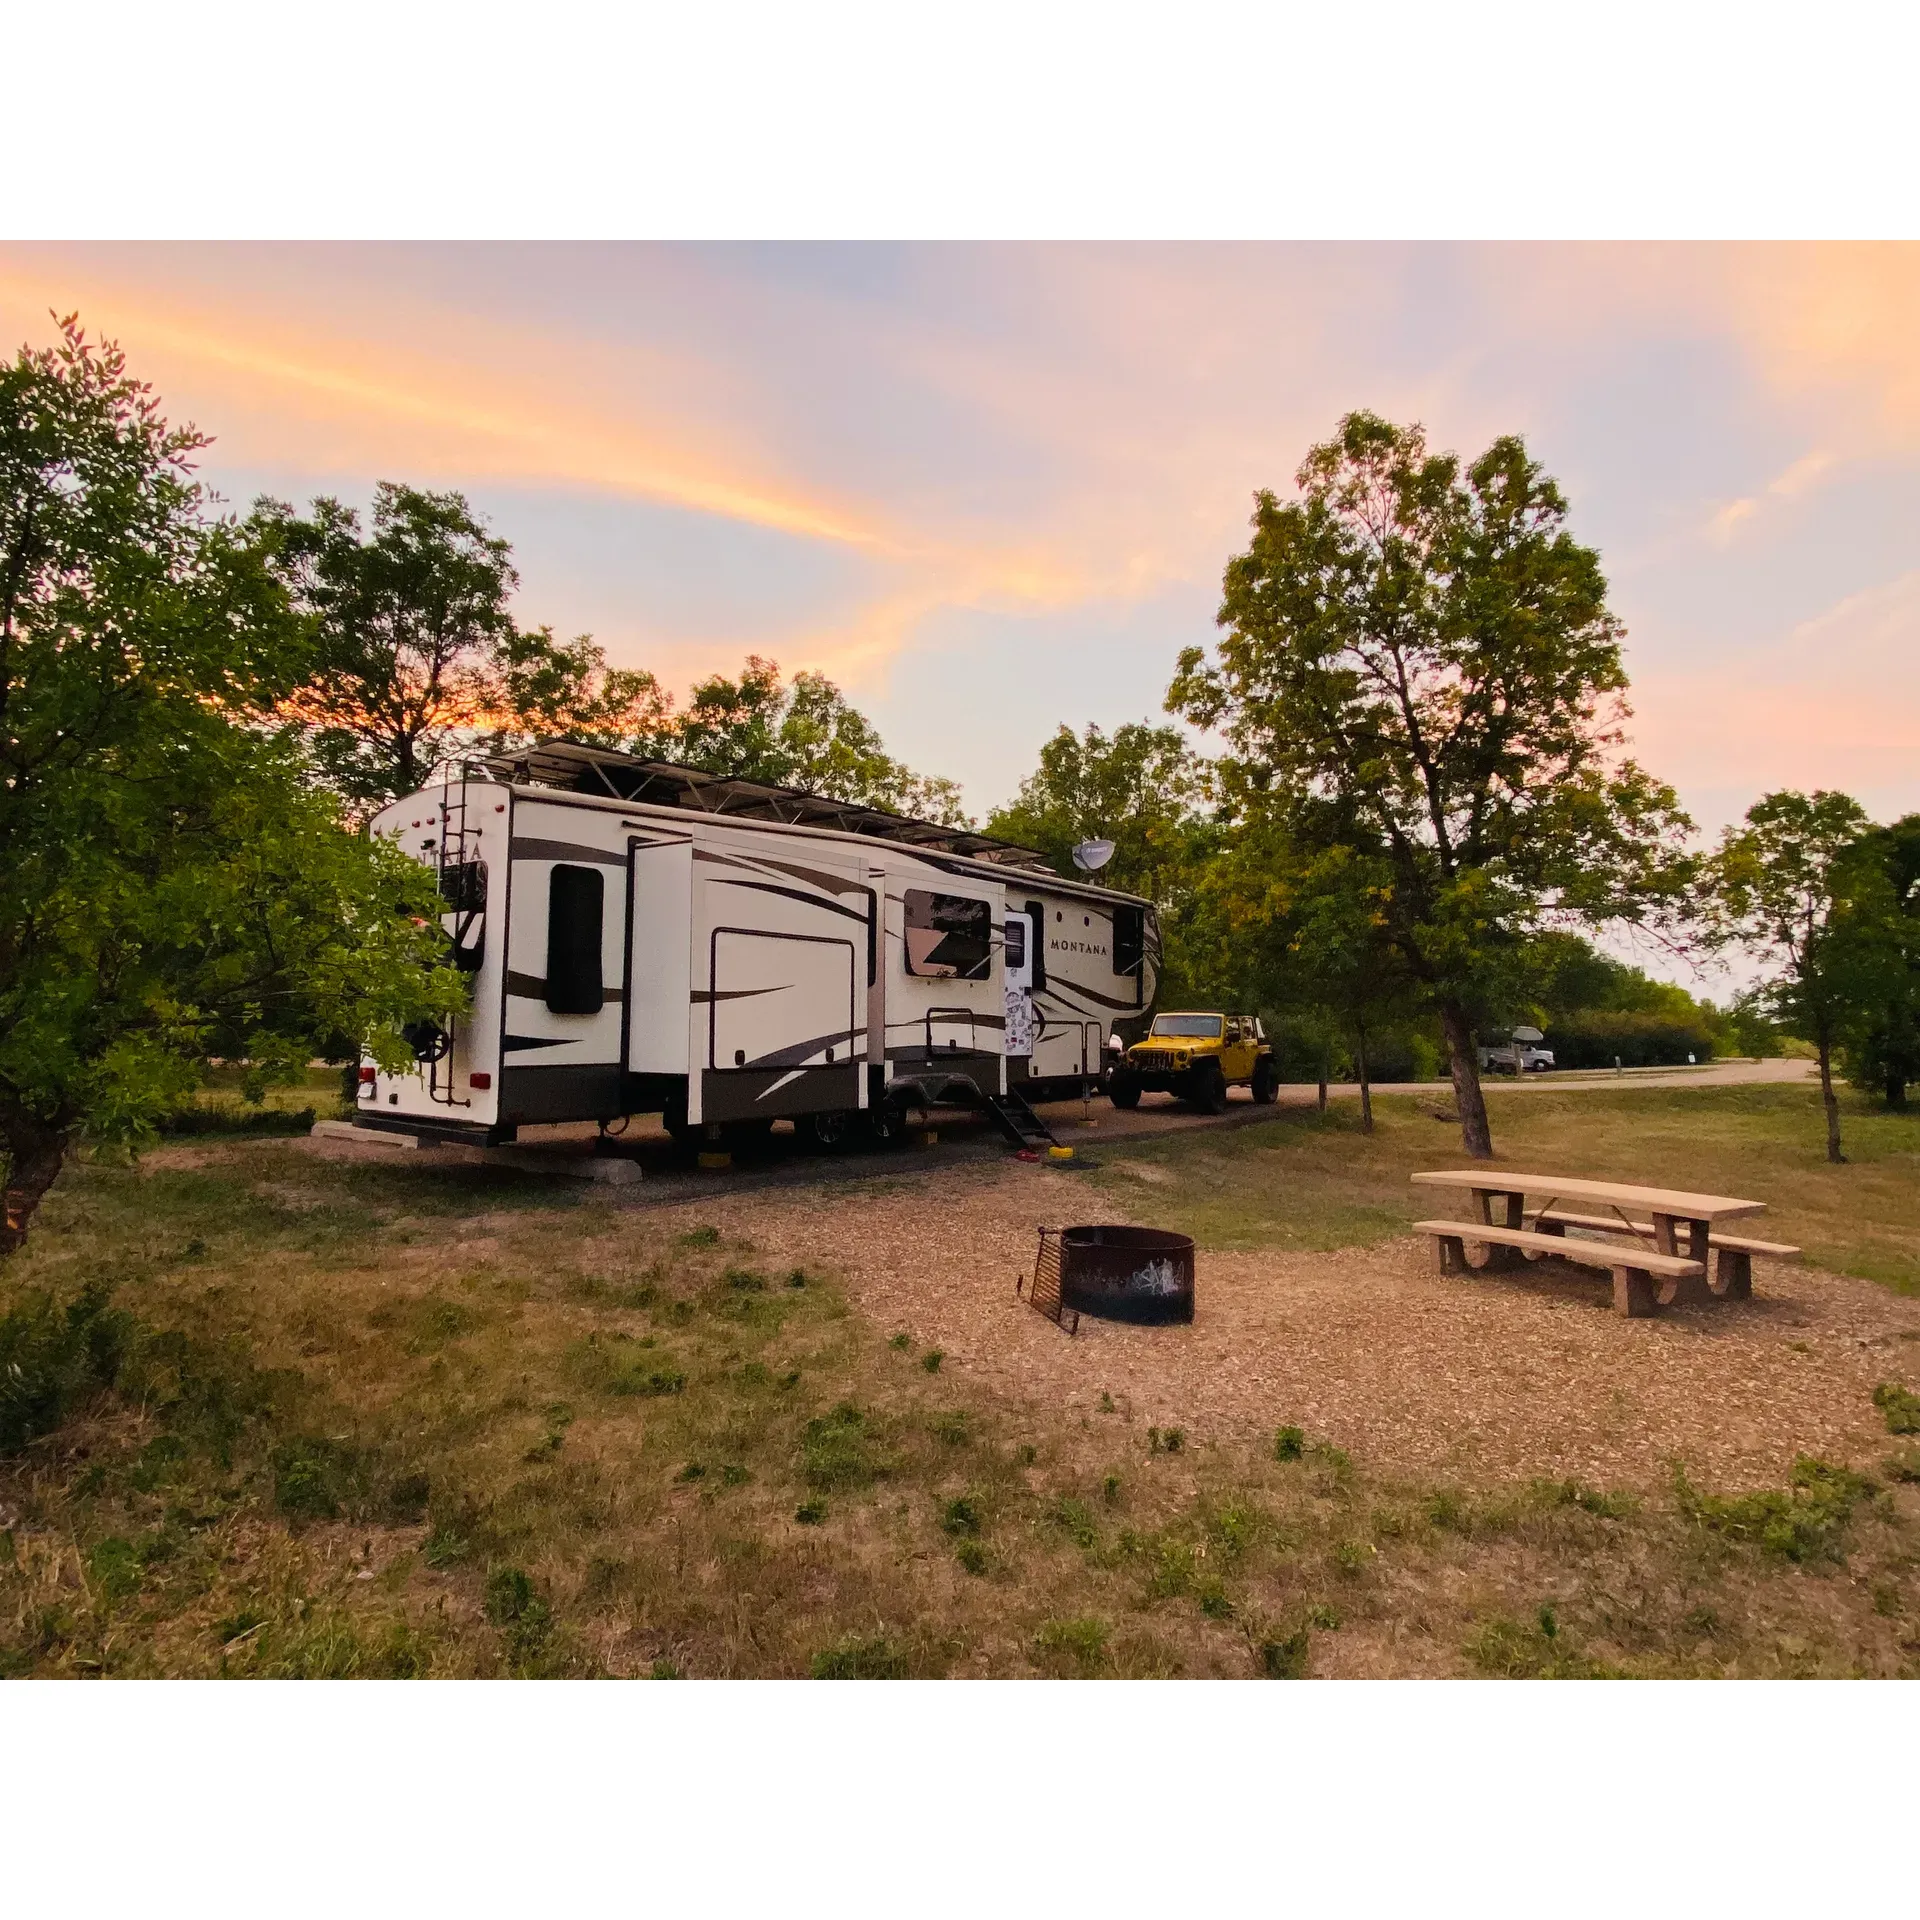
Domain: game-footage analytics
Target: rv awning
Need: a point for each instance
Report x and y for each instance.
(662, 783)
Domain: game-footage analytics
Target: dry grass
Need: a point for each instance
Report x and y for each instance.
(390, 1419)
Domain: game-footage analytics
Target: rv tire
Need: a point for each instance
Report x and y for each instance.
(828, 1131)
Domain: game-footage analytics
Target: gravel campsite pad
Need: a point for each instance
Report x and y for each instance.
(1477, 1378)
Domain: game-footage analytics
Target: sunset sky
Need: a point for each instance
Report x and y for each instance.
(989, 489)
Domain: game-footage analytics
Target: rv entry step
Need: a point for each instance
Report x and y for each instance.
(1018, 1121)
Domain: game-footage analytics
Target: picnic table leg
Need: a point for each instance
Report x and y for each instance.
(1453, 1253)
(1667, 1238)
(1732, 1274)
(1500, 1259)
(1634, 1295)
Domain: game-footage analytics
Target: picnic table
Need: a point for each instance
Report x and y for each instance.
(1684, 1228)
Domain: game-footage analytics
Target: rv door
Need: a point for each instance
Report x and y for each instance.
(1022, 937)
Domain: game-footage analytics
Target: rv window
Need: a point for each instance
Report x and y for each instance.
(1130, 945)
(464, 887)
(949, 937)
(1016, 943)
(1037, 913)
(575, 902)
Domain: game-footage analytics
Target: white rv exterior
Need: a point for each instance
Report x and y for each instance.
(726, 954)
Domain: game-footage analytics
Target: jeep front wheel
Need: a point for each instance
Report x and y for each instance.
(1123, 1088)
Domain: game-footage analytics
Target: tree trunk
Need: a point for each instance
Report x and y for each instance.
(1366, 1076)
(1831, 1101)
(1323, 1076)
(1896, 1090)
(1475, 1134)
(34, 1156)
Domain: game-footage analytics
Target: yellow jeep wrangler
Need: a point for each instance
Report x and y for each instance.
(1198, 1056)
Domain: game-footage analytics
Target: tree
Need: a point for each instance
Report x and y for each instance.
(1880, 924)
(1419, 657)
(416, 654)
(1779, 889)
(175, 888)
(804, 734)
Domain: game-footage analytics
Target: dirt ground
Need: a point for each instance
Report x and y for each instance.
(1479, 1379)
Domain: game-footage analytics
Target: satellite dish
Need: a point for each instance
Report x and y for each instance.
(1091, 855)
(1528, 1035)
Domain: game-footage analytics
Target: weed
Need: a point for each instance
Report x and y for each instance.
(513, 1604)
(1804, 1521)
(1214, 1603)
(953, 1429)
(1075, 1519)
(691, 1472)
(1286, 1659)
(1351, 1556)
(1448, 1511)
(700, 1237)
(797, 1278)
(117, 1567)
(856, 1659)
(1324, 1617)
(1171, 1440)
(315, 1478)
(1234, 1526)
(900, 1343)
(1573, 1493)
(1886, 1601)
(1110, 1489)
(53, 1363)
(1901, 1408)
(1289, 1443)
(788, 1381)
(745, 1280)
(445, 1547)
(1903, 1466)
(1027, 1454)
(1702, 1621)
(664, 1670)
(837, 1451)
(931, 1359)
(961, 1516)
(407, 1496)
(1080, 1644)
(1106, 1403)
(811, 1513)
(1530, 1650)
(734, 1475)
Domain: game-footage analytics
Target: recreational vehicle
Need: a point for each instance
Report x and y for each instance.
(650, 938)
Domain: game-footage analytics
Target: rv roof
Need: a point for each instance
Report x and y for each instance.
(662, 783)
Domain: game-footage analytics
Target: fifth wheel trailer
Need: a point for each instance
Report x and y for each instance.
(649, 938)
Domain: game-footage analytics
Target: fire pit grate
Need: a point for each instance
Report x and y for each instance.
(1139, 1274)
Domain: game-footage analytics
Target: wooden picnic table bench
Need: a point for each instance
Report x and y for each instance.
(1681, 1229)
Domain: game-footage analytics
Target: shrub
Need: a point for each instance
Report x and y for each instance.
(1901, 1408)
(931, 1360)
(52, 1363)
(1598, 1038)
(1289, 1443)
(853, 1658)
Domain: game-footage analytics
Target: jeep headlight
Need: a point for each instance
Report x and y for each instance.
(1181, 1058)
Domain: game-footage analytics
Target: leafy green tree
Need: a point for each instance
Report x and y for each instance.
(175, 888)
(1143, 788)
(416, 656)
(1881, 930)
(1780, 887)
(801, 734)
(1419, 657)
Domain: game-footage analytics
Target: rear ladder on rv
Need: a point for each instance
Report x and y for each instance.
(1021, 1127)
